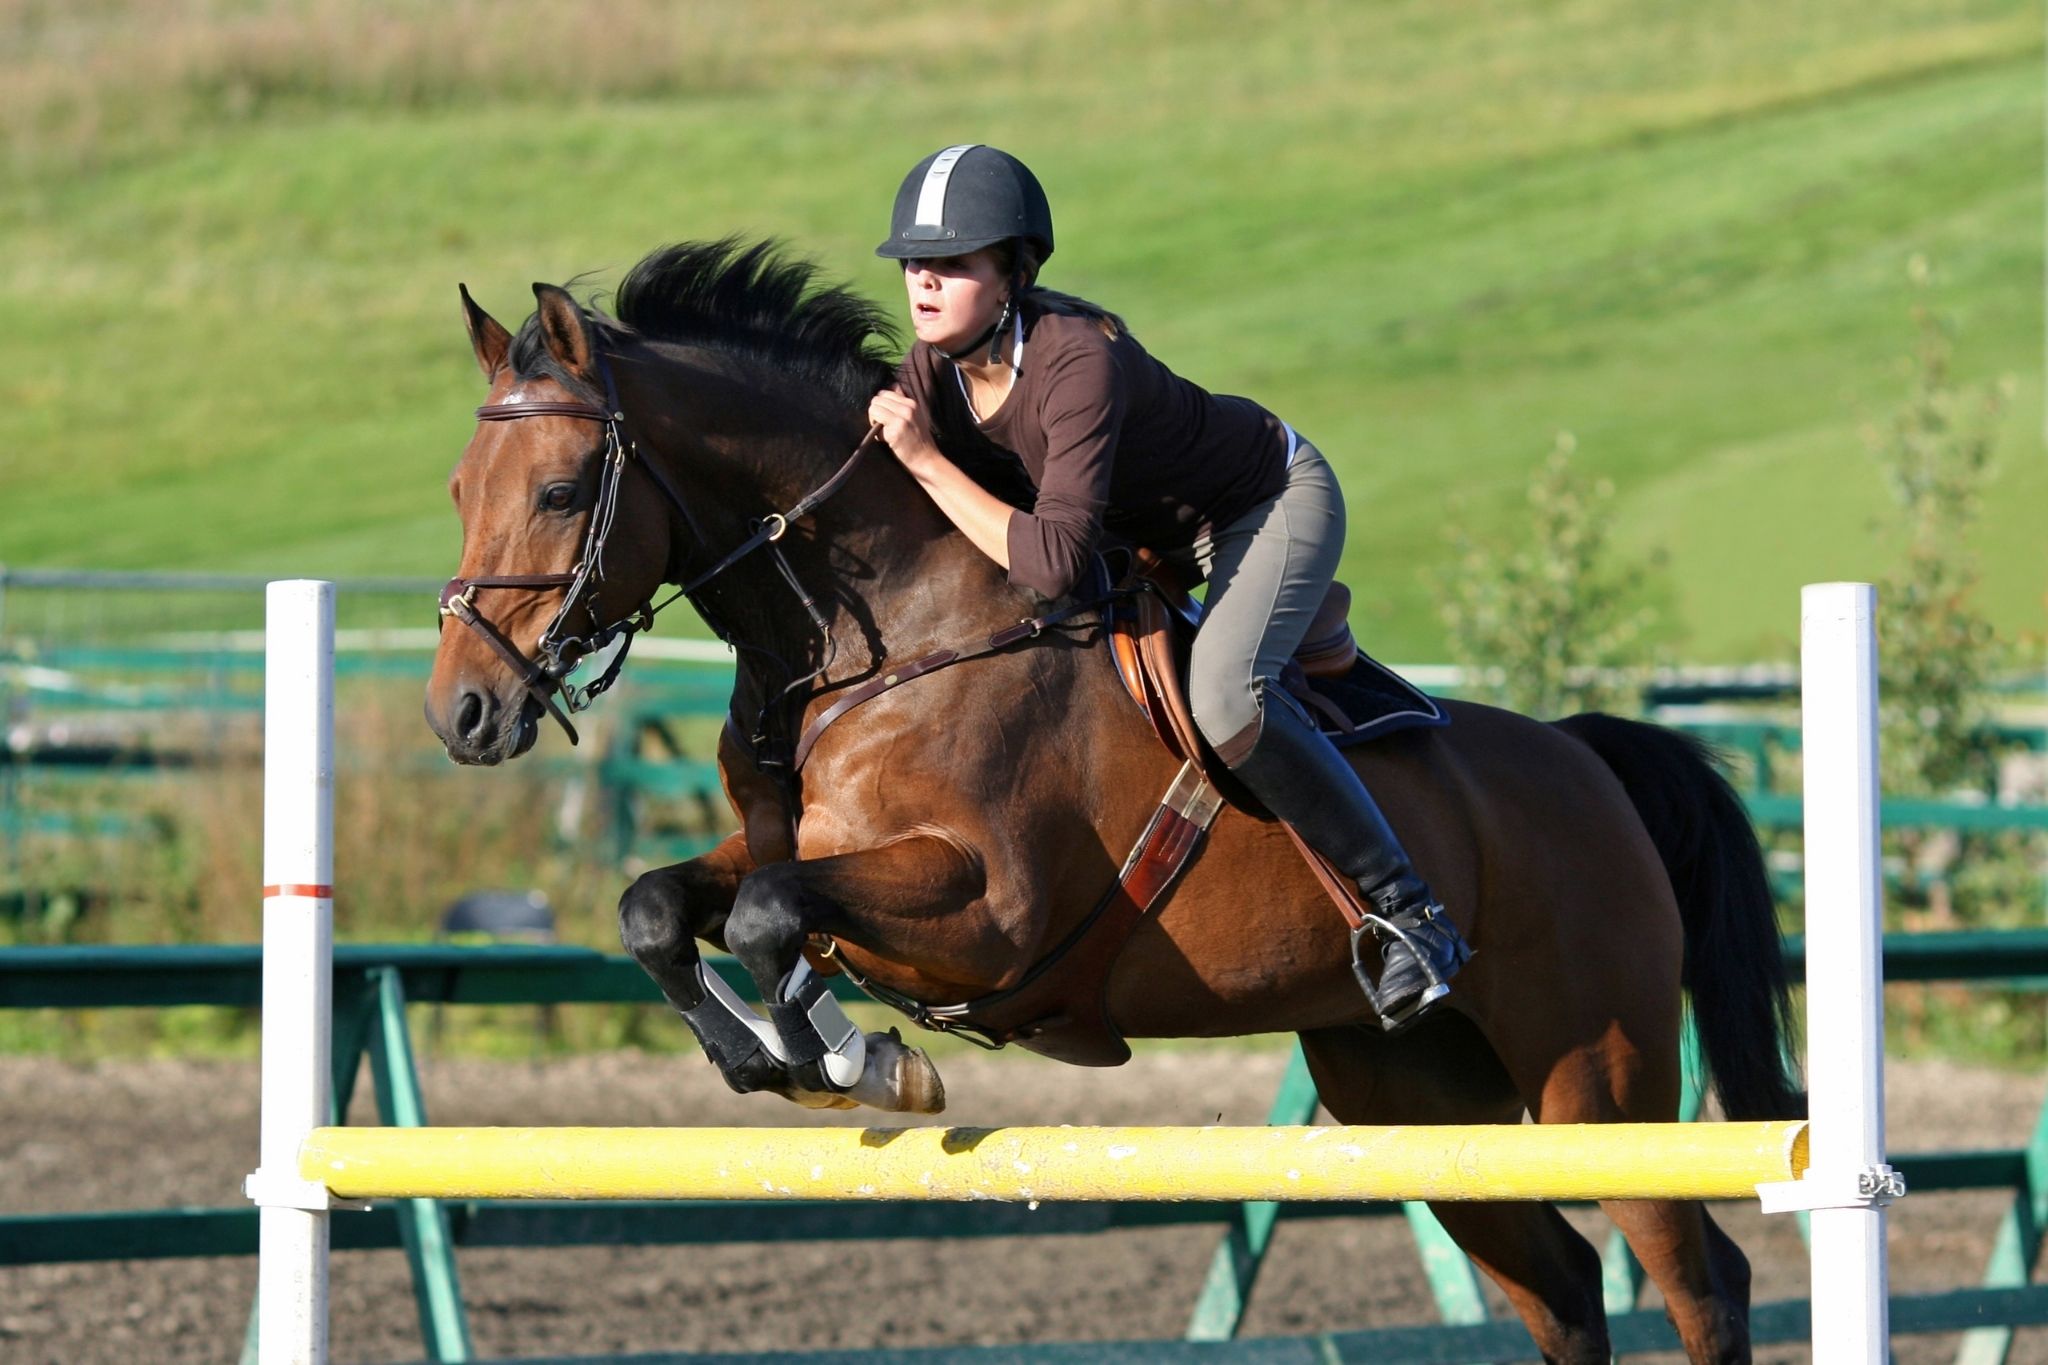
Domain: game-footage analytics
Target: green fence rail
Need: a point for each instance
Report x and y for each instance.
(375, 984)
(632, 787)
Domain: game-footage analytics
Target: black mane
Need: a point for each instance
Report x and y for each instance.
(750, 301)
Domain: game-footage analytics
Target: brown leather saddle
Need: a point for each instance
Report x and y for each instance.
(1059, 1008)
(1351, 696)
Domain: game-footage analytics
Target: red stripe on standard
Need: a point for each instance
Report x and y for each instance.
(313, 890)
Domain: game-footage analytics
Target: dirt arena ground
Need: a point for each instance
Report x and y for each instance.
(145, 1134)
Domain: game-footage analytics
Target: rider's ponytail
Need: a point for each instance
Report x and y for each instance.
(1016, 259)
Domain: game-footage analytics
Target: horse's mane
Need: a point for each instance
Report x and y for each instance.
(750, 301)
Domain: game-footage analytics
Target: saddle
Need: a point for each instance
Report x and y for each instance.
(1351, 696)
(1059, 1009)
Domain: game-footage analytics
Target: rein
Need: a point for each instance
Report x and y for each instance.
(545, 677)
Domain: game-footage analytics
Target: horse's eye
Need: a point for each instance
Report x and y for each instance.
(558, 497)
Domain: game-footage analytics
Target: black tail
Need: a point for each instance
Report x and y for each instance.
(1734, 962)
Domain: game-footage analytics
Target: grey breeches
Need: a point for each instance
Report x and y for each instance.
(1267, 574)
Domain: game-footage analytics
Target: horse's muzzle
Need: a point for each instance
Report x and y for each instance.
(478, 727)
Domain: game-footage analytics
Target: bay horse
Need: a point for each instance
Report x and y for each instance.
(939, 838)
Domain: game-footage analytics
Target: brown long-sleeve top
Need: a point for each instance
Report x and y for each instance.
(1106, 437)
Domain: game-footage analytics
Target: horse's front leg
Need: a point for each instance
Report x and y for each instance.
(780, 906)
(661, 917)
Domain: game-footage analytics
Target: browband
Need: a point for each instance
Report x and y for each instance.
(505, 412)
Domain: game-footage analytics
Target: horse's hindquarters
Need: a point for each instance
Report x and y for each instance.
(1533, 847)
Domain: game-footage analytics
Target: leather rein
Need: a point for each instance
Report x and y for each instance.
(545, 675)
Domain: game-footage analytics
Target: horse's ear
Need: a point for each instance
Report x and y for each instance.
(487, 336)
(567, 334)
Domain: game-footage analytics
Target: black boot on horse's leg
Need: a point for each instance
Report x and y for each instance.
(660, 917)
(1302, 779)
(826, 1056)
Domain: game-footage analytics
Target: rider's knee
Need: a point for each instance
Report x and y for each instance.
(1222, 709)
(1229, 715)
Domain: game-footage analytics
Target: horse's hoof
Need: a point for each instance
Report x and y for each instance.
(899, 1078)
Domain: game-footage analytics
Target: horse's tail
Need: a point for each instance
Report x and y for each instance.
(1734, 964)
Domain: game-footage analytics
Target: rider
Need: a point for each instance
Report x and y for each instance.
(1009, 378)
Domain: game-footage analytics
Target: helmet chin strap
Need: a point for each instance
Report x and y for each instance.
(993, 337)
(988, 337)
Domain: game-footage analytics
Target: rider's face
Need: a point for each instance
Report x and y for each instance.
(953, 300)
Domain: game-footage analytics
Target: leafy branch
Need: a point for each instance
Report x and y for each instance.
(1549, 626)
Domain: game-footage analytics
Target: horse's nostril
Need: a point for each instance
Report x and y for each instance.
(469, 721)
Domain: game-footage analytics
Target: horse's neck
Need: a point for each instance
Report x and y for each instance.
(891, 578)
(888, 574)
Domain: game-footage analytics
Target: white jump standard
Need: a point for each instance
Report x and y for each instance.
(308, 1167)
(298, 965)
(1849, 1183)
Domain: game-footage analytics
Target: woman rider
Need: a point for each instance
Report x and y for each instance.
(1006, 374)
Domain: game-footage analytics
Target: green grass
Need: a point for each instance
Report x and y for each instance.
(1431, 236)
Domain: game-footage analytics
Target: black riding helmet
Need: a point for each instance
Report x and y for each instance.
(963, 198)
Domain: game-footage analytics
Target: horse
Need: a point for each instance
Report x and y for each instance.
(942, 836)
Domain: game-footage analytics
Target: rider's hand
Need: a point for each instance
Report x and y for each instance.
(905, 426)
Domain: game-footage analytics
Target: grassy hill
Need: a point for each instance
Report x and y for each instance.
(1432, 236)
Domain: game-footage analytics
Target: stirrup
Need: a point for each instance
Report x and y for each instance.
(1385, 930)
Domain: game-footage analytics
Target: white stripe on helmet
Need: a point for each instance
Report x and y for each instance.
(931, 197)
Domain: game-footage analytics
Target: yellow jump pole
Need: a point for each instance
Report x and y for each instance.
(1547, 1161)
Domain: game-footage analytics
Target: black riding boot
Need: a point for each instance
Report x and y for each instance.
(1301, 778)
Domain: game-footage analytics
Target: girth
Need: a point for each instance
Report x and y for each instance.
(1061, 1009)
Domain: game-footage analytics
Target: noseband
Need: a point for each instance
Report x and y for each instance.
(545, 677)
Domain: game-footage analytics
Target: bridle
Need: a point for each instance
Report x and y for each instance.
(546, 677)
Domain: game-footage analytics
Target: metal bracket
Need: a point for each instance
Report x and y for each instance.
(1192, 798)
(466, 599)
(1870, 1187)
(270, 1190)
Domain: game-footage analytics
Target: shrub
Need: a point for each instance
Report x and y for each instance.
(1551, 626)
